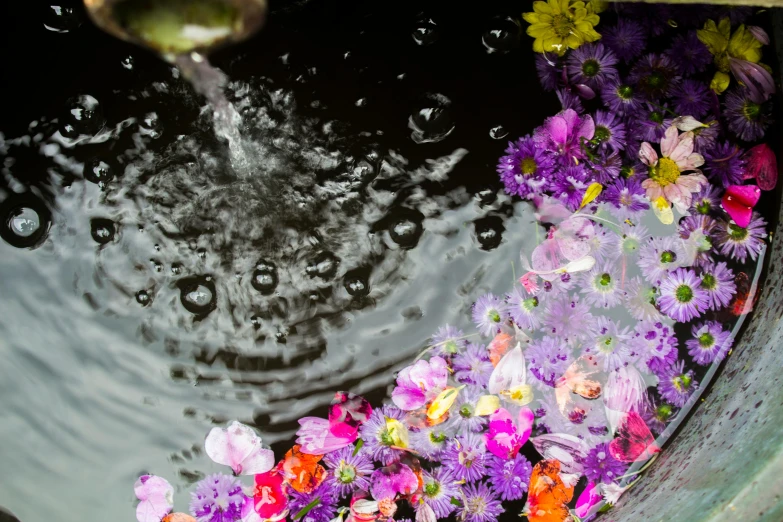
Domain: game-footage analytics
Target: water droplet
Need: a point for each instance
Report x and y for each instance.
(357, 282)
(502, 35)
(198, 295)
(24, 221)
(432, 122)
(97, 171)
(156, 265)
(127, 63)
(498, 133)
(82, 117)
(61, 19)
(425, 32)
(201, 253)
(176, 268)
(487, 195)
(324, 266)
(405, 228)
(143, 298)
(265, 277)
(489, 232)
(256, 321)
(102, 230)
(151, 126)
(361, 102)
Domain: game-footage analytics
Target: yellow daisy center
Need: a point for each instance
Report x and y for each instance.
(665, 172)
(562, 25)
(528, 166)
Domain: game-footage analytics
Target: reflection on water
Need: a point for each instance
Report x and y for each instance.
(169, 288)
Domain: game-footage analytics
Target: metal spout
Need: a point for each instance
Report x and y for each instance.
(176, 27)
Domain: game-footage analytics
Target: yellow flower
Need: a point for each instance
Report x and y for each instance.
(723, 45)
(442, 402)
(559, 25)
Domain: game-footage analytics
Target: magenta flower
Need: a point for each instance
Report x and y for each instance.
(392, 480)
(156, 498)
(505, 437)
(420, 383)
(240, 447)
(316, 438)
(562, 135)
(347, 413)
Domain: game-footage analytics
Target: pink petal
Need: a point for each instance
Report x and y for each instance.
(654, 190)
(568, 449)
(431, 374)
(232, 445)
(647, 154)
(511, 371)
(683, 148)
(692, 182)
(669, 142)
(408, 398)
(525, 420)
(586, 129)
(757, 80)
(156, 496)
(673, 194)
(590, 497)
(316, 438)
(557, 128)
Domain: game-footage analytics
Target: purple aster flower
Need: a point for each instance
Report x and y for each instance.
(570, 100)
(682, 297)
(323, 511)
(601, 286)
(610, 345)
(438, 490)
(466, 457)
(217, 498)
(718, 281)
(657, 415)
(548, 358)
(570, 187)
(463, 417)
(473, 365)
(377, 440)
(609, 130)
(710, 342)
(509, 478)
(526, 310)
(448, 341)
(568, 318)
(655, 343)
(525, 168)
(640, 299)
(430, 441)
(606, 167)
(691, 98)
(627, 197)
(562, 135)
(706, 200)
(746, 118)
(659, 256)
(600, 466)
(600, 245)
(592, 65)
(347, 472)
(621, 98)
(549, 71)
(688, 54)
(654, 75)
(649, 124)
(489, 313)
(724, 164)
(627, 39)
(739, 243)
(479, 504)
(676, 385)
(704, 137)
(697, 231)
(628, 242)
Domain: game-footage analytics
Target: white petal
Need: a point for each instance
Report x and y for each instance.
(511, 371)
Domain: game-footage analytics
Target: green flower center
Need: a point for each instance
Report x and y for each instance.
(665, 172)
(663, 412)
(703, 207)
(385, 437)
(528, 166)
(684, 293)
(345, 473)
(605, 280)
(682, 382)
(706, 340)
(627, 172)
(737, 233)
(450, 347)
(530, 303)
(494, 316)
(590, 68)
(562, 25)
(657, 117)
(667, 256)
(466, 411)
(602, 134)
(431, 489)
(625, 92)
(656, 80)
(751, 110)
(630, 245)
(708, 281)
(437, 438)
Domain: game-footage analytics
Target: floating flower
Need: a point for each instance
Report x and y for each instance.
(725, 165)
(676, 385)
(627, 39)
(562, 135)
(549, 71)
(548, 358)
(442, 403)
(526, 310)
(479, 504)
(689, 54)
(315, 436)
(654, 341)
(379, 436)
(692, 98)
(156, 498)
(559, 25)
(654, 75)
(621, 98)
(301, 471)
(682, 297)
(488, 314)
(718, 281)
(390, 481)
(568, 318)
(466, 457)
(525, 168)
(448, 341)
(601, 286)
(570, 99)
(506, 435)
(590, 497)
(609, 131)
(640, 299)
(218, 498)
(324, 504)
(762, 165)
(627, 198)
(509, 478)
(438, 488)
(473, 365)
(707, 200)
(238, 446)
(746, 118)
(592, 65)
(600, 466)
(465, 417)
(348, 471)
(710, 343)
(739, 243)
(420, 383)
(696, 232)
(430, 441)
(269, 495)
(650, 123)
(570, 186)
(659, 256)
(610, 344)
(347, 413)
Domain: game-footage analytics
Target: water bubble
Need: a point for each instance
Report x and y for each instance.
(97, 171)
(361, 102)
(127, 63)
(151, 126)
(61, 19)
(256, 321)
(82, 117)
(486, 196)
(265, 277)
(102, 230)
(198, 295)
(502, 35)
(405, 228)
(25, 221)
(357, 282)
(432, 122)
(176, 268)
(143, 298)
(425, 32)
(324, 265)
(498, 133)
(156, 265)
(201, 253)
(489, 232)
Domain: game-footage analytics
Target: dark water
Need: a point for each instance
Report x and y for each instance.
(173, 292)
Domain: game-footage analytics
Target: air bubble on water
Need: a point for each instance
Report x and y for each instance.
(498, 133)
(425, 32)
(150, 125)
(97, 171)
(487, 195)
(143, 297)
(361, 102)
(82, 117)
(432, 122)
(198, 295)
(489, 232)
(264, 277)
(26, 222)
(405, 228)
(324, 265)
(127, 63)
(61, 19)
(102, 230)
(502, 35)
(356, 282)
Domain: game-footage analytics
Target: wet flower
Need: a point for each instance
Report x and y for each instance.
(627, 198)
(609, 130)
(525, 168)
(706, 200)
(592, 65)
(509, 478)
(601, 286)
(507, 434)
(430, 441)
(654, 341)
(762, 165)
(606, 166)
(718, 281)
(438, 488)
(676, 385)
(570, 187)
(659, 256)
(269, 494)
(739, 243)
(682, 297)
(654, 75)
(420, 383)
(466, 457)
(640, 297)
(473, 365)
(488, 314)
(526, 310)
(479, 504)
(549, 70)
(600, 466)
(666, 180)
(568, 318)
(691, 98)
(559, 25)
(710, 342)
(448, 341)
(348, 472)
(392, 480)
(724, 164)
(548, 358)
(745, 117)
(610, 345)
(324, 509)
(378, 438)
(217, 498)
(697, 231)
(621, 98)
(464, 413)
(627, 39)
(570, 100)
(657, 415)
(562, 134)
(725, 47)
(627, 243)
(650, 123)
(689, 54)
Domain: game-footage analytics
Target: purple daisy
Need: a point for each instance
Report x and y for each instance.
(737, 14)
(655, 343)
(466, 457)
(691, 98)
(606, 167)
(718, 281)
(610, 345)
(547, 359)
(526, 310)
(640, 299)
(601, 286)
(549, 71)
(710, 343)
(509, 478)
(657, 415)
(570, 100)
(323, 511)
(746, 118)
(649, 124)
(600, 246)
(659, 256)
(378, 441)
(489, 313)
(724, 164)
(682, 297)
(688, 54)
(473, 365)
(706, 200)
(697, 231)
(448, 341)
(525, 168)
(676, 385)
(430, 441)
(600, 466)
(217, 498)
(627, 39)
(621, 98)
(704, 137)
(568, 318)
(654, 75)
(347, 472)
(479, 504)
(438, 489)
(627, 243)
(739, 243)
(627, 197)
(592, 65)
(463, 417)
(609, 130)
(570, 187)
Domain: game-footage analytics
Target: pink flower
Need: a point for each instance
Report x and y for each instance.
(589, 498)
(666, 181)
(762, 165)
(505, 438)
(238, 446)
(420, 383)
(316, 438)
(269, 496)
(563, 133)
(156, 498)
(392, 480)
(347, 413)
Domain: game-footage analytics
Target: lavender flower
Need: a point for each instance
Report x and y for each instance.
(548, 358)
(657, 415)
(609, 130)
(509, 478)
(640, 299)
(570, 100)
(438, 490)
(568, 318)
(466, 457)
(746, 118)
(659, 256)
(448, 341)
(548, 70)
(655, 343)
(464, 417)
(718, 281)
(488, 314)
(739, 243)
(627, 243)
(676, 385)
(526, 310)
(706, 200)
(724, 164)
(610, 345)
(627, 39)
(697, 231)
(323, 511)
(378, 441)
(601, 286)
(688, 54)
(347, 472)
(691, 98)
(430, 441)
(627, 197)
(682, 297)
(621, 98)
(592, 65)
(710, 342)
(217, 498)
(525, 168)
(655, 75)
(473, 365)
(606, 167)
(650, 123)
(570, 187)
(562, 135)
(479, 504)
(600, 466)
(704, 137)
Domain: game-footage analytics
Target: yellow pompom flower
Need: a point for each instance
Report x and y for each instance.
(723, 45)
(559, 25)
